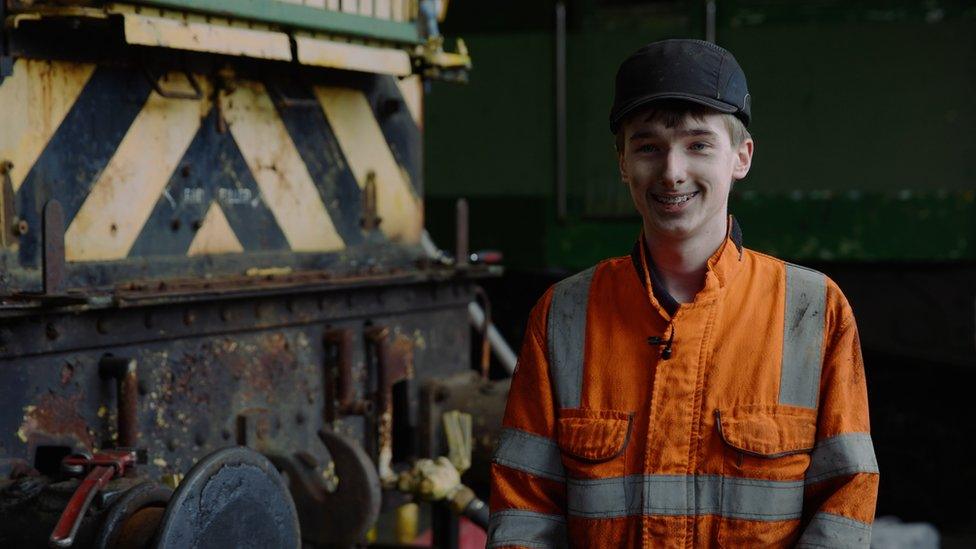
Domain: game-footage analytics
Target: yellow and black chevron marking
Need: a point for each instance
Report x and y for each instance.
(140, 175)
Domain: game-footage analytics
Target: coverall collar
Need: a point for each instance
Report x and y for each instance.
(721, 269)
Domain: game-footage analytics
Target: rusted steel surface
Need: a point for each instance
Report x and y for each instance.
(461, 233)
(392, 360)
(108, 323)
(338, 347)
(52, 241)
(348, 493)
(55, 419)
(123, 371)
(203, 368)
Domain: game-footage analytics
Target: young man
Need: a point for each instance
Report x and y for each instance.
(695, 393)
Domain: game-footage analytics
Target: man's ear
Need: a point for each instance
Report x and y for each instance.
(743, 159)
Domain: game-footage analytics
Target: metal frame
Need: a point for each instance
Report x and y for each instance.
(299, 16)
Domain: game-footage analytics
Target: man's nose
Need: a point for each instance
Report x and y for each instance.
(675, 169)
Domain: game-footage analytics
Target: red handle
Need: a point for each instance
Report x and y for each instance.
(104, 466)
(67, 527)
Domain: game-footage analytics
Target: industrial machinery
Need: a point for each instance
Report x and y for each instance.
(218, 326)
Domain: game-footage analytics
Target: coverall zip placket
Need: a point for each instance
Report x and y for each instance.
(657, 434)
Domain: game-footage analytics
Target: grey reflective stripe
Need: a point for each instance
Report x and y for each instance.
(533, 454)
(567, 333)
(803, 329)
(605, 497)
(835, 531)
(844, 454)
(686, 495)
(526, 528)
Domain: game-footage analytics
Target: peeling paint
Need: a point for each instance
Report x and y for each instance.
(55, 417)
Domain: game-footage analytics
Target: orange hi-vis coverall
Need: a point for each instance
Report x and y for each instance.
(753, 433)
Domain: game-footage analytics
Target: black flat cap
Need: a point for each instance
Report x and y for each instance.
(689, 70)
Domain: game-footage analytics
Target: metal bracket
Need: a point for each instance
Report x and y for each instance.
(52, 239)
(392, 356)
(286, 101)
(431, 61)
(338, 355)
(153, 80)
(123, 371)
(11, 228)
(370, 220)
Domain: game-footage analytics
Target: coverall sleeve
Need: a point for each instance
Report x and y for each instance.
(528, 487)
(842, 480)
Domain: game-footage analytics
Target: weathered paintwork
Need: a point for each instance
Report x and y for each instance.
(249, 166)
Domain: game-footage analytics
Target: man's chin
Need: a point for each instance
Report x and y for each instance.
(672, 229)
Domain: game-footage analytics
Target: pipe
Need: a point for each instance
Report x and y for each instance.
(503, 352)
(710, 21)
(461, 230)
(560, 70)
(476, 315)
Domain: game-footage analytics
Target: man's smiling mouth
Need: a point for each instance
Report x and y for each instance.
(674, 198)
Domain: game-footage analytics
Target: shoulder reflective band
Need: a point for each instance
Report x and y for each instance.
(844, 454)
(803, 329)
(529, 453)
(685, 495)
(829, 530)
(566, 334)
(526, 529)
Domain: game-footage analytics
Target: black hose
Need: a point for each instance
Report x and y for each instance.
(477, 512)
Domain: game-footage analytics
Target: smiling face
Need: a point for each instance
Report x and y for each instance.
(679, 169)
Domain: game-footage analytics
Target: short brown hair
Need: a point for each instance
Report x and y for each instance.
(672, 113)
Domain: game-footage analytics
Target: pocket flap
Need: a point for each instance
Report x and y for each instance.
(593, 435)
(768, 431)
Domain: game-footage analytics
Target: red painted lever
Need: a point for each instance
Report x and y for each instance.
(102, 467)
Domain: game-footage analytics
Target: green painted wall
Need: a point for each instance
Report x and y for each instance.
(862, 118)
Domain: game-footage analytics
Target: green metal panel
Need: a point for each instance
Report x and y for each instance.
(298, 16)
(818, 226)
(863, 117)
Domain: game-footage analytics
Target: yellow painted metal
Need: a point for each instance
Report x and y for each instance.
(39, 94)
(366, 8)
(215, 235)
(436, 60)
(412, 88)
(366, 150)
(343, 55)
(164, 28)
(125, 193)
(383, 9)
(35, 99)
(282, 177)
(191, 35)
(407, 523)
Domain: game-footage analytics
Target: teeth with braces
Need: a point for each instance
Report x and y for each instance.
(674, 199)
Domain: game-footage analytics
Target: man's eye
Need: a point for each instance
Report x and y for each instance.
(646, 148)
(699, 146)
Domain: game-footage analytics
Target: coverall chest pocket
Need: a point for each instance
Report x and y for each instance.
(772, 440)
(766, 453)
(592, 442)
